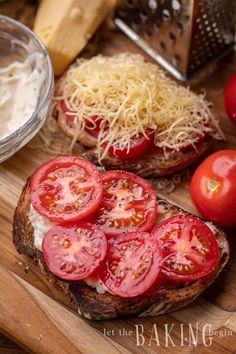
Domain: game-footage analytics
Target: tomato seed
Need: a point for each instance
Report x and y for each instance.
(66, 243)
(204, 250)
(135, 276)
(52, 177)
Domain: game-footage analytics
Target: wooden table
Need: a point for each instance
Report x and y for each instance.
(29, 312)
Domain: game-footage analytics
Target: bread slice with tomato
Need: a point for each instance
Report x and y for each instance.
(163, 285)
(130, 116)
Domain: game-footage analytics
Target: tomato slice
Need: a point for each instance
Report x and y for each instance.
(198, 140)
(132, 264)
(66, 188)
(69, 115)
(73, 251)
(92, 124)
(190, 249)
(128, 203)
(138, 146)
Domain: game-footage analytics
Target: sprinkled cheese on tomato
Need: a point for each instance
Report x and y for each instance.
(130, 96)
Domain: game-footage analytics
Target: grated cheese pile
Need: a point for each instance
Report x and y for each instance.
(131, 95)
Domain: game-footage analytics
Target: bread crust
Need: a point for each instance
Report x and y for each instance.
(95, 306)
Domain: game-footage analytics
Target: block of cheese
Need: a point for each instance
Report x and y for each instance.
(65, 26)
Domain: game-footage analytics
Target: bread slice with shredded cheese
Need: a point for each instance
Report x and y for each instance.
(130, 95)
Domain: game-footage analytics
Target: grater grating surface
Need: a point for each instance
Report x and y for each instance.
(182, 35)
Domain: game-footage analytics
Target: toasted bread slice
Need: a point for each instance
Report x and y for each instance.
(152, 164)
(93, 305)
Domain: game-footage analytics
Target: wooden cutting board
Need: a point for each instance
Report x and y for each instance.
(29, 312)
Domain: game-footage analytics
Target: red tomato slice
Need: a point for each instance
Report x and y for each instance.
(66, 188)
(74, 251)
(92, 125)
(132, 264)
(138, 146)
(190, 249)
(69, 115)
(230, 98)
(198, 139)
(128, 203)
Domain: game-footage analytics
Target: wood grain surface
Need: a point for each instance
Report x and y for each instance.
(29, 313)
(7, 346)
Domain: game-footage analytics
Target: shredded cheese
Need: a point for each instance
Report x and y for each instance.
(130, 95)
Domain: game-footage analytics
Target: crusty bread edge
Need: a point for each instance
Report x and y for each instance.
(164, 302)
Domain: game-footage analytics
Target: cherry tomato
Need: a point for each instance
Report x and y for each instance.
(213, 188)
(132, 264)
(128, 203)
(190, 249)
(74, 251)
(66, 188)
(138, 146)
(230, 98)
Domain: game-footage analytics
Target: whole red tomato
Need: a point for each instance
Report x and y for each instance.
(230, 98)
(213, 188)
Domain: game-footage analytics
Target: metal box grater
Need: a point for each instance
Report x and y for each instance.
(181, 35)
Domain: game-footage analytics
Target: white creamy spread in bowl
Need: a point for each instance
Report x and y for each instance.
(20, 84)
(26, 86)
